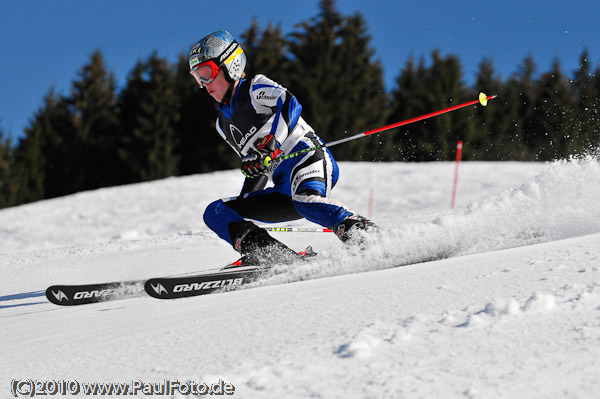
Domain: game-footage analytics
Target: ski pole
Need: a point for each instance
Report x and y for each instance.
(483, 99)
(297, 229)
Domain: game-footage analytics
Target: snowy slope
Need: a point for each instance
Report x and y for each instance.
(512, 311)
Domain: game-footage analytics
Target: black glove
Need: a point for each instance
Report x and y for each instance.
(258, 161)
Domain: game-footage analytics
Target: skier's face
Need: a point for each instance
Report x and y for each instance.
(218, 87)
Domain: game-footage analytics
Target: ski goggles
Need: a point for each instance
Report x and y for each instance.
(205, 72)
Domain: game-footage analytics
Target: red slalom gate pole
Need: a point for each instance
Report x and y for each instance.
(459, 146)
(483, 99)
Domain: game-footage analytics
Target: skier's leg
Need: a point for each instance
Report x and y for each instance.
(312, 179)
(265, 205)
(257, 247)
(227, 218)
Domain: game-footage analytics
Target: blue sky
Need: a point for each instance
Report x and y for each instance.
(44, 43)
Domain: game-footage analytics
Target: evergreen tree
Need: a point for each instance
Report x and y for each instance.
(493, 135)
(425, 90)
(333, 75)
(266, 53)
(447, 88)
(6, 183)
(94, 157)
(46, 158)
(28, 167)
(522, 94)
(587, 125)
(593, 133)
(68, 145)
(407, 100)
(148, 114)
(554, 137)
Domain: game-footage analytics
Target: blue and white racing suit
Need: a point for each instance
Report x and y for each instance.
(301, 185)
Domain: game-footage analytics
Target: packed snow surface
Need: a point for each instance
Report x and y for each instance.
(496, 298)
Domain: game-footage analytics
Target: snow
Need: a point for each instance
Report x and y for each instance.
(497, 298)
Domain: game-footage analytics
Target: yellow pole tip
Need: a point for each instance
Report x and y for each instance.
(483, 99)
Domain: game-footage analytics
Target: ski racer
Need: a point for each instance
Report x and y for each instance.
(262, 121)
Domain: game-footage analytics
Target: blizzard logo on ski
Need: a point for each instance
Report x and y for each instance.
(93, 293)
(159, 289)
(60, 296)
(208, 285)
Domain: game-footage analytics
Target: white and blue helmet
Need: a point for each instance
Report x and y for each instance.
(223, 50)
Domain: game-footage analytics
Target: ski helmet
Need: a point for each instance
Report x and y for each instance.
(220, 50)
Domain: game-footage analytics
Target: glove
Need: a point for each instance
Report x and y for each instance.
(258, 161)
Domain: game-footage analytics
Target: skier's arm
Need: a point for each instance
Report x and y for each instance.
(289, 109)
(257, 162)
(255, 184)
(268, 97)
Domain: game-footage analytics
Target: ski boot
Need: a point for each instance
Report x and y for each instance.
(349, 231)
(258, 248)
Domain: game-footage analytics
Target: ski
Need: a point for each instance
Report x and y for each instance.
(162, 288)
(229, 277)
(201, 284)
(70, 295)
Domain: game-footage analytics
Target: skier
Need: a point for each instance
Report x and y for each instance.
(261, 121)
